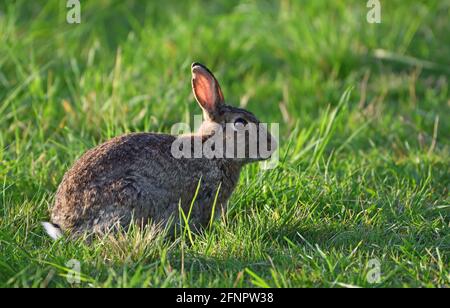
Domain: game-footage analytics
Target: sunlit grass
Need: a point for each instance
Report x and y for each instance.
(364, 138)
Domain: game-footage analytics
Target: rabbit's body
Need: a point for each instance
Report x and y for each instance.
(135, 176)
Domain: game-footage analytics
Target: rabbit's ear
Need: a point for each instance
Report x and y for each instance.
(206, 89)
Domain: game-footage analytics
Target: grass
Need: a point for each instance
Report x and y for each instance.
(364, 179)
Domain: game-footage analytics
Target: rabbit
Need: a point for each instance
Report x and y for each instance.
(135, 178)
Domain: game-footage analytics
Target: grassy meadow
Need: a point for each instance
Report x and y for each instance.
(364, 111)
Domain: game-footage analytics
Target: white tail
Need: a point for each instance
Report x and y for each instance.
(53, 231)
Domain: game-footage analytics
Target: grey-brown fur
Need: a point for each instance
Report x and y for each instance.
(135, 178)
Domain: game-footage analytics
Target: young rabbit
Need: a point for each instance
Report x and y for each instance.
(135, 178)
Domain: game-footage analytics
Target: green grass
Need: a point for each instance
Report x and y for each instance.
(361, 180)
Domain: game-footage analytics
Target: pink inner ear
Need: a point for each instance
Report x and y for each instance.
(204, 89)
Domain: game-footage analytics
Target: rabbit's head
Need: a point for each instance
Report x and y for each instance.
(241, 134)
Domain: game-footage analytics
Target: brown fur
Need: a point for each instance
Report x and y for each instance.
(135, 178)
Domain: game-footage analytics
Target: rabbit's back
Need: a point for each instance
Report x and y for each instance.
(136, 176)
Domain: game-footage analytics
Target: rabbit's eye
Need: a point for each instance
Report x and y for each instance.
(240, 123)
